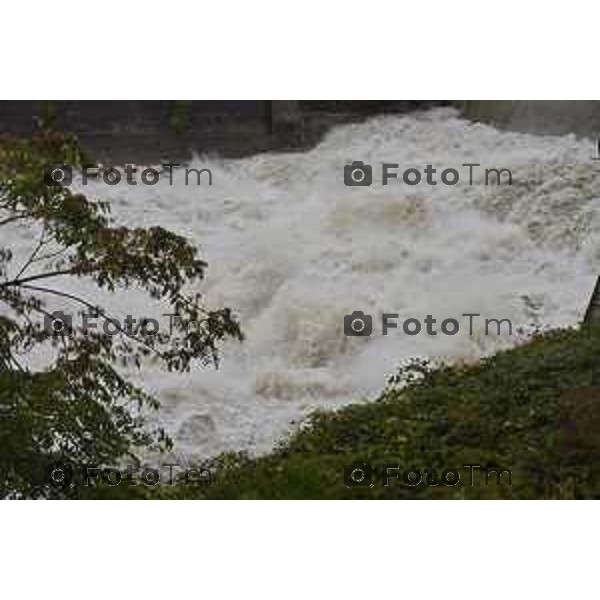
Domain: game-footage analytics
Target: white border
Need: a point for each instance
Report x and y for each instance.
(336, 49)
(298, 550)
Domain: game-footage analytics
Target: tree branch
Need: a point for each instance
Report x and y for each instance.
(13, 218)
(20, 282)
(33, 254)
(94, 307)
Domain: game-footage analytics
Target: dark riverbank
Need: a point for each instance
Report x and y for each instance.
(151, 132)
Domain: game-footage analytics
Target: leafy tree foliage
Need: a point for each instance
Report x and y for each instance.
(77, 405)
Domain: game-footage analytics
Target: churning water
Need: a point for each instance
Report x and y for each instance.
(292, 250)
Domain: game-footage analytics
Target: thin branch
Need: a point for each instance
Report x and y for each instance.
(17, 363)
(33, 254)
(95, 308)
(20, 282)
(36, 288)
(13, 218)
(50, 255)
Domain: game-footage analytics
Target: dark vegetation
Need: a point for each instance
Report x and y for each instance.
(76, 406)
